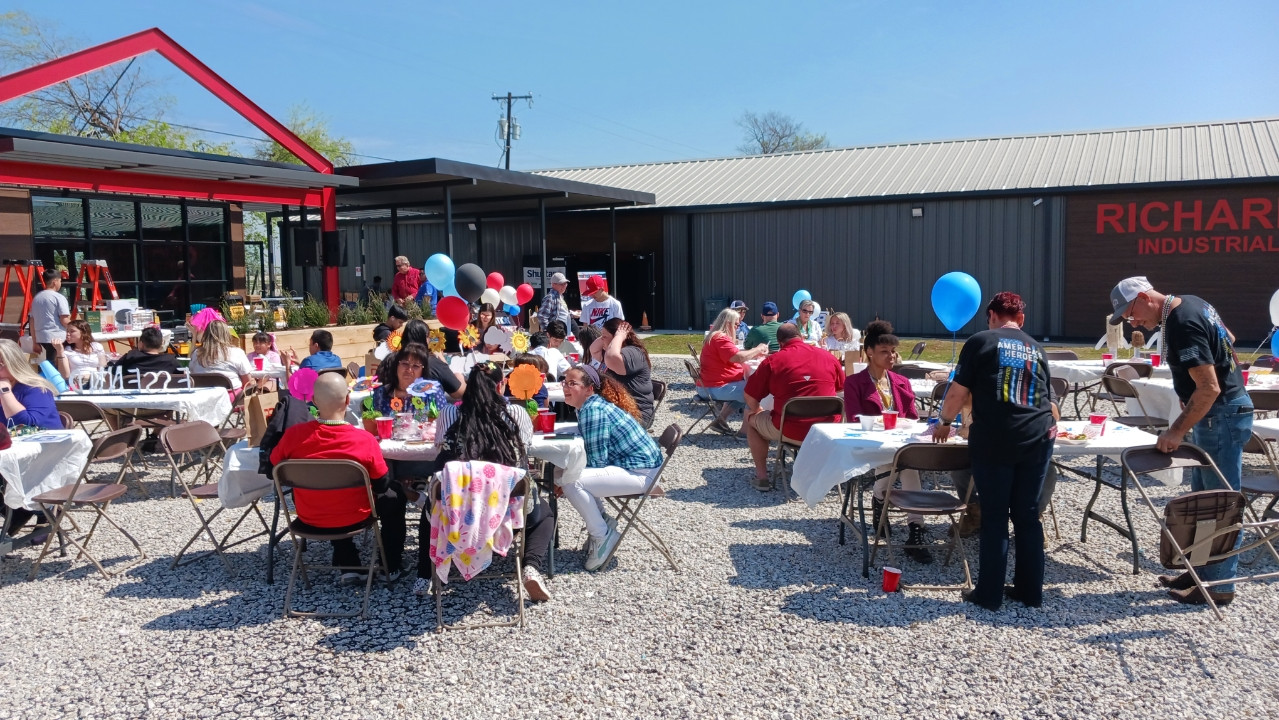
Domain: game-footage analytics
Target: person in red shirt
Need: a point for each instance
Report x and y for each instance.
(796, 370)
(723, 375)
(330, 438)
(406, 282)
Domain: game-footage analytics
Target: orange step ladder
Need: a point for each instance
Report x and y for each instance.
(25, 272)
(96, 271)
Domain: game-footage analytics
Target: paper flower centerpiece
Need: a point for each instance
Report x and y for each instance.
(422, 387)
(524, 382)
(397, 405)
(435, 341)
(470, 337)
(302, 384)
(519, 342)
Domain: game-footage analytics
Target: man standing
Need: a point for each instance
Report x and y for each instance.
(742, 327)
(601, 307)
(406, 282)
(1216, 409)
(766, 332)
(796, 370)
(553, 306)
(50, 314)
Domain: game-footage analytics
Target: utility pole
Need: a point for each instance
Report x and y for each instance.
(507, 126)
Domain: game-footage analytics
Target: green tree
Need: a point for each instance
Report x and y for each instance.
(313, 129)
(773, 132)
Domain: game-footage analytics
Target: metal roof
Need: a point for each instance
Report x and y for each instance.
(474, 188)
(71, 151)
(1223, 151)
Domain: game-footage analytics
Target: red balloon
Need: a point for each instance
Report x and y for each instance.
(496, 281)
(524, 293)
(453, 312)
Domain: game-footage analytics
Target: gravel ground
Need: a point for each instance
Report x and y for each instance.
(767, 617)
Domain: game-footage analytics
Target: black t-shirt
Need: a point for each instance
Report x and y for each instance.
(1194, 336)
(439, 370)
(145, 362)
(638, 381)
(1007, 373)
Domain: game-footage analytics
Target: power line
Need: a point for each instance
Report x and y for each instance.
(509, 128)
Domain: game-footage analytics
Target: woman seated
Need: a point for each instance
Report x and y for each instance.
(841, 336)
(877, 390)
(626, 360)
(722, 371)
(621, 458)
(434, 367)
(492, 373)
(486, 318)
(82, 353)
(26, 398)
(487, 428)
(218, 355)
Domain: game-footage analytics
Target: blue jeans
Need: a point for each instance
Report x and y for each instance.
(1012, 490)
(1222, 433)
(733, 393)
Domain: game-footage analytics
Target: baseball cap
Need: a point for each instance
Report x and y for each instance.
(558, 278)
(739, 305)
(770, 308)
(595, 283)
(1124, 293)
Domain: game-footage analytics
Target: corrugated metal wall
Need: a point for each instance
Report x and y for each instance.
(876, 259)
(674, 276)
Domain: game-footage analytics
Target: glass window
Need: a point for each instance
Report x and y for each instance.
(121, 258)
(112, 219)
(162, 221)
(205, 223)
(170, 296)
(208, 293)
(164, 262)
(207, 260)
(63, 256)
(57, 217)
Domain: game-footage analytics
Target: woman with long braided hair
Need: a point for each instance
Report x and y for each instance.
(485, 427)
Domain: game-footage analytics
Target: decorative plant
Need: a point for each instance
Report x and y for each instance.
(412, 308)
(314, 312)
(243, 325)
(375, 309)
(369, 412)
(294, 317)
(347, 315)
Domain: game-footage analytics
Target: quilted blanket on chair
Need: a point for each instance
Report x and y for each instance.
(474, 517)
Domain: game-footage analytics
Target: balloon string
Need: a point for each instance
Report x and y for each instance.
(1263, 342)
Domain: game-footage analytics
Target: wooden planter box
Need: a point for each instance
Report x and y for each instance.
(350, 342)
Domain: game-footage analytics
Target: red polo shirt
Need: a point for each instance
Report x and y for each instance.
(718, 368)
(797, 370)
(316, 441)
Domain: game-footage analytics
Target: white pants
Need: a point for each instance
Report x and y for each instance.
(596, 483)
(909, 480)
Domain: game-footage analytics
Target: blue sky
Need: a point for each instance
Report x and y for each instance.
(641, 82)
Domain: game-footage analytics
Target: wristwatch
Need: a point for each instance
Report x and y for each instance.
(4, 389)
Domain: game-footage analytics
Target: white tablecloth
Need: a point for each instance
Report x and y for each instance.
(42, 462)
(241, 483)
(834, 453)
(268, 371)
(566, 453)
(129, 335)
(208, 404)
(555, 392)
(1083, 372)
(1267, 429)
(1161, 400)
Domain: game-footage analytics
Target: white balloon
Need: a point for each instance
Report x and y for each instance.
(508, 296)
(490, 297)
(1274, 309)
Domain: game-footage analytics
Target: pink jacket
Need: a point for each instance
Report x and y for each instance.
(861, 397)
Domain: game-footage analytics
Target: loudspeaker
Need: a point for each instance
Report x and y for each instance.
(334, 254)
(306, 246)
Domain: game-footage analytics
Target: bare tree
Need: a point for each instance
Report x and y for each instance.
(104, 104)
(773, 132)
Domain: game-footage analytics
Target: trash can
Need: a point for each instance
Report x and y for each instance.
(713, 306)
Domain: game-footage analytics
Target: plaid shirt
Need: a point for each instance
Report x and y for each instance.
(614, 438)
(553, 308)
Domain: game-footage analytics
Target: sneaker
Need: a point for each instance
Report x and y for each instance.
(722, 427)
(918, 536)
(535, 585)
(421, 586)
(762, 484)
(601, 549)
(352, 578)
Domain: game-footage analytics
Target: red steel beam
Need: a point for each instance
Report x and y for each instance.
(119, 181)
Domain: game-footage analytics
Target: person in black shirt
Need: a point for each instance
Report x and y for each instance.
(1216, 409)
(1005, 373)
(148, 357)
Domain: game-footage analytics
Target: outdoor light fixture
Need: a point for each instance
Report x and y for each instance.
(917, 211)
(470, 226)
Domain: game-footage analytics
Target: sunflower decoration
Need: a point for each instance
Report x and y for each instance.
(524, 382)
(470, 337)
(435, 341)
(395, 339)
(519, 341)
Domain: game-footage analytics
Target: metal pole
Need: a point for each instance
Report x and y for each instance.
(395, 233)
(509, 99)
(541, 215)
(448, 217)
(612, 233)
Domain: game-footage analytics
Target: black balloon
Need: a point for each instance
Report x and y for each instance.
(470, 282)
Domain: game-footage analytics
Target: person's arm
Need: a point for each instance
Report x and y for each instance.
(613, 359)
(13, 408)
(1201, 400)
(597, 349)
(744, 355)
(956, 397)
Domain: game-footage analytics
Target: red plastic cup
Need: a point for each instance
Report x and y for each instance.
(1245, 377)
(1107, 357)
(545, 422)
(257, 363)
(1155, 359)
(385, 425)
(575, 357)
(1097, 418)
(890, 419)
(892, 579)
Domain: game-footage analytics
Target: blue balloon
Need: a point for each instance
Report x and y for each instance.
(449, 290)
(799, 297)
(440, 270)
(1274, 344)
(956, 297)
(512, 310)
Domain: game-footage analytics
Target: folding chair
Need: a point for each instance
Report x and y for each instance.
(933, 402)
(199, 440)
(1264, 402)
(697, 358)
(712, 406)
(1200, 528)
(1120, 389)
(353, 369)
(520, 489)
(628, 506)
(659, 394)
(917, 351)
(925, 457)
(800, 407)
(228, 430)
(326, 476)
(912, 372)
(1257, 486)
(68, 422)
(57, 504)
(1061, 355)
(1126, 371)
